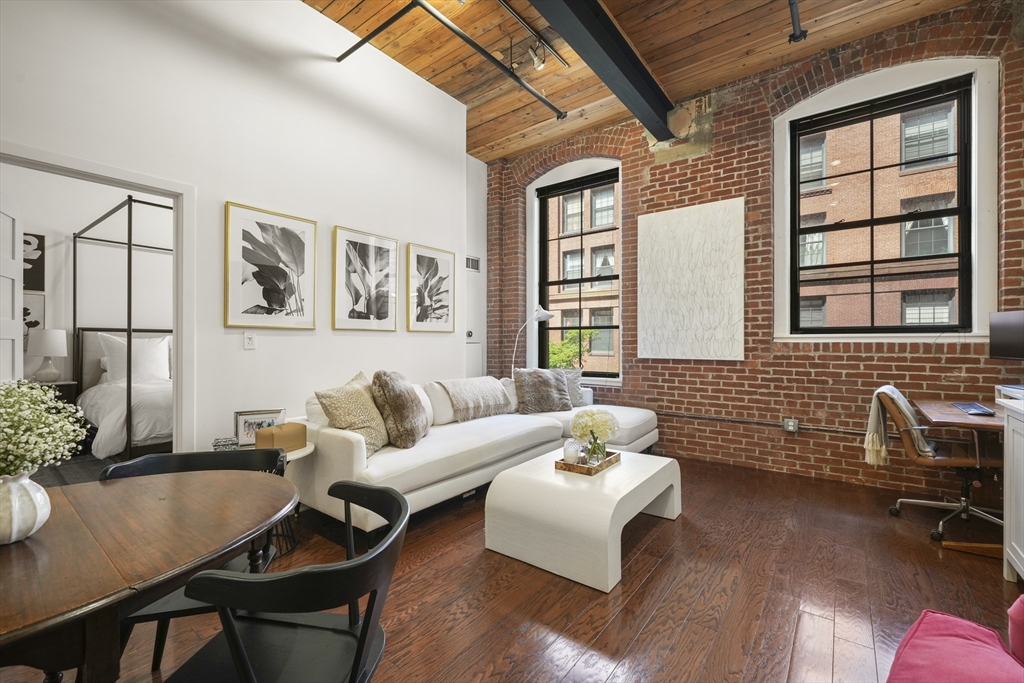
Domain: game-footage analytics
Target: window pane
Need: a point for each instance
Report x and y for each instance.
(603, 200)
(899, 193)
(567, 317)
(916, 298)
(559, 298)
(564, 351)
(606, 357)
(846, 199)
(934, 236)
(842, 303)
(835, 247)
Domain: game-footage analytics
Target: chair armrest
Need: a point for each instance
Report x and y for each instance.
(919, 428)
(588, 396)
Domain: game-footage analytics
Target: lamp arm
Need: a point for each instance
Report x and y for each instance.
(516, 348)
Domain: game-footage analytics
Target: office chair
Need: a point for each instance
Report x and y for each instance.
(175, 605)
(275, 626)
(942, 454)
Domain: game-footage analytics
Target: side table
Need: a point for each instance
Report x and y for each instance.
(283, 536)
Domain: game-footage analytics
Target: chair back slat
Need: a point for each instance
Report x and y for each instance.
(271, 460)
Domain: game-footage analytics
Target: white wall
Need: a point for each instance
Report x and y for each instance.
(244, 101)
(57, 207)
(476, 283)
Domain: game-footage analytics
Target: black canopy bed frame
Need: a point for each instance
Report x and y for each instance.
(130, 449)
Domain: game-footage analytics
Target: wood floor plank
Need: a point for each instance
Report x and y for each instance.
(853, 613)
(812, 649)
(665, 652)
(853, 663)
(769, 662)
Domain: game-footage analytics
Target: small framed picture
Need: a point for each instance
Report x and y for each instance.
(365, 281)
(34, 256)
(248, 422)
(431, 295)
(270, 269)
(33, 314)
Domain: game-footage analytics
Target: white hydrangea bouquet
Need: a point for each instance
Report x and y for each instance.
(593, 427)
(36, 428)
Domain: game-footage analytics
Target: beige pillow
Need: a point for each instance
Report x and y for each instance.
(573, 381)
(404, 415)
(509, 385)
(351, 407)
(541, 391)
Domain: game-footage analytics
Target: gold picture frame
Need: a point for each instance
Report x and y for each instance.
(267, 281)
(430, 289)
(364, 281)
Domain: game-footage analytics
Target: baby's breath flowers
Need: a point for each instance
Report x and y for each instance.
(36, 428)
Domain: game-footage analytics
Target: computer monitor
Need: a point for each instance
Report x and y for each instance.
(1006, 335)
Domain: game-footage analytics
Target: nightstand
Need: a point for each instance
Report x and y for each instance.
(66, 390)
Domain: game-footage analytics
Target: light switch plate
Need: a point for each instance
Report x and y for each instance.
(249, 340)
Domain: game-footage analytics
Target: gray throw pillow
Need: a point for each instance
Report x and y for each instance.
(574, 382)
(404, 415)
(351, 407)
(541, 391)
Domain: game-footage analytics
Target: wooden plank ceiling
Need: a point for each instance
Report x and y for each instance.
(690, 46)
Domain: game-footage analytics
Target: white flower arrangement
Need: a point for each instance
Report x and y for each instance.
(594, 422)
(37, 429)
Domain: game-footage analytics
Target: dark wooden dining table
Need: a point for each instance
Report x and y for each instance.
(112, 547)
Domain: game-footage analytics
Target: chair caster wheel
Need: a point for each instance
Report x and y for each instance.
(937, 535)
(894, 511)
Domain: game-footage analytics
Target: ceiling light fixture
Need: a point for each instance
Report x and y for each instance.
(538, 60)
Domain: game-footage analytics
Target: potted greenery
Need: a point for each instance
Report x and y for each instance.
(36, 429)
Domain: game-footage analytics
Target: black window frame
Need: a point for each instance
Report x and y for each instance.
(595, 180)
(958, 90)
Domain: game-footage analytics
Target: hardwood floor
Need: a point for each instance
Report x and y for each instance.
(764, 577)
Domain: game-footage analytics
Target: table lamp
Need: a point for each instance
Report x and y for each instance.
(49, 344)
(539, 315)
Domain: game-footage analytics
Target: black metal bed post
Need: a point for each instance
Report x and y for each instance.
(128, 338)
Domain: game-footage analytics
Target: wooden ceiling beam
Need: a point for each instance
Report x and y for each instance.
(594, 35)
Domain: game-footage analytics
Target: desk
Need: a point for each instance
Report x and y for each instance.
(112, 547)
(945, 414)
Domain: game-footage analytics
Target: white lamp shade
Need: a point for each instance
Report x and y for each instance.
(52, 343)
(540, 315)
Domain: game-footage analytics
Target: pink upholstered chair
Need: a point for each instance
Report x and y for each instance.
(940, 647)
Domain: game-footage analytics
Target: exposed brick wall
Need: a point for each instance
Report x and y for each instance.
(728, 411)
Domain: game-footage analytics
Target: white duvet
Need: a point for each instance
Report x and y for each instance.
(152, 422)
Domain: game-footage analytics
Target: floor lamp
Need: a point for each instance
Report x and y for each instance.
(539, 315)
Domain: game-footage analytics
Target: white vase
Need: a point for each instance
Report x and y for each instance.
(24, 506)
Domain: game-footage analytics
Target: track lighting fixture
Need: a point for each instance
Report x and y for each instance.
(538, 59)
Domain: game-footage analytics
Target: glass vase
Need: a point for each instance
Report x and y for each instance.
(596, 450)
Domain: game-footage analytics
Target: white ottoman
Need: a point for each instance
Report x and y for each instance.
(571, 524)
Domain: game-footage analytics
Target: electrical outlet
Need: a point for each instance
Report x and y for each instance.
(249, 340)
(790, 425)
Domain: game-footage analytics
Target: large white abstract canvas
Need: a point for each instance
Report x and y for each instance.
(690, 282)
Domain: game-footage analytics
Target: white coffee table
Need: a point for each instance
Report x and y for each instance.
(571, 524)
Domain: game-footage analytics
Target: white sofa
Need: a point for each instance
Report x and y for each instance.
(449, 461)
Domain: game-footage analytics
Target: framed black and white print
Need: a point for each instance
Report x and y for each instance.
(33, 314)
(365, 281)
(431, 295)
(34, 258)
(269, 269)
(248, 422)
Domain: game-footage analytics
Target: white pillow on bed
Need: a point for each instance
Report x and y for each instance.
(149, 357)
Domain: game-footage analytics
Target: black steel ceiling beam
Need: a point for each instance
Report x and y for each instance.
(596, 38)
(444, 21)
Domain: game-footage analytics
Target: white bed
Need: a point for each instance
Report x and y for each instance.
(103, 399)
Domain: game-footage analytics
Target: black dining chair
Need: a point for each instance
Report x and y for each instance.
(176, 604)
(275, 627)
